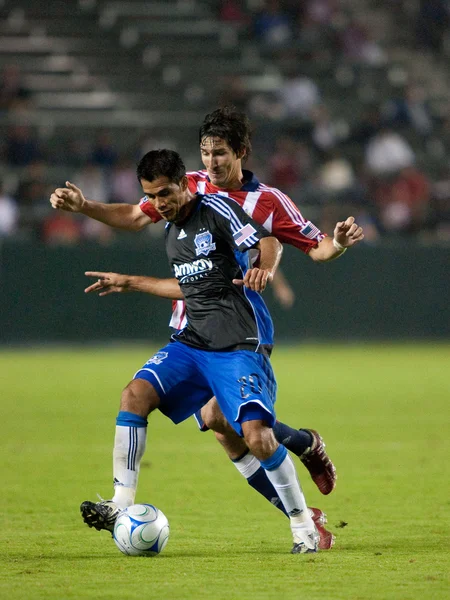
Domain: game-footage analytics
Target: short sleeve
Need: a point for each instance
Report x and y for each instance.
(147, 208)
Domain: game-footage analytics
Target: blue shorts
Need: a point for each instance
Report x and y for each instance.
(186, 378)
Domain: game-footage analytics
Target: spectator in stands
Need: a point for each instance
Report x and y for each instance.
(319, 12)
(9, 213)
(61, 229)
(124, 183)
(365, 129)
(22, 147)
(388, 153)
(231, 11)
(31, 196)
(91, 179)
(13, 93)
(433, 23)
(232, 91)
(104, 153)
(342, 189)
(285, 168)
(411, 110)
(323, 132)
(357, 43)
(439, 221)
(403, 204)
(271, 25)
(298, 95)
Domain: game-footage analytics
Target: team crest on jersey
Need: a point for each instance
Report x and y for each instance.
(203, 243)
(157, 358)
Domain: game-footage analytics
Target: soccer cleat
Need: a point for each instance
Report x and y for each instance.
(326, 538)
(305, 542)
(101, 515)
(319, 465)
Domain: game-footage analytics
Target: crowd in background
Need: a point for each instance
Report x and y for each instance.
(301, 145)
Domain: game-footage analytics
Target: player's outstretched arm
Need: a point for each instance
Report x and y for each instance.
(122, 216)
(282, 290)
(270, 254)
(110, 283)
(346, 234)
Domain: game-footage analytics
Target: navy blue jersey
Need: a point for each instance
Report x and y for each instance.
(206, 252)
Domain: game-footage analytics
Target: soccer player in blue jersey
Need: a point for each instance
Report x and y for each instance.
(222, 352)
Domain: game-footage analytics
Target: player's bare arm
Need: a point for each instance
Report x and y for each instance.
(282, 290)
(270, 255)
(121, 216)
(110, 283)
(346, 234)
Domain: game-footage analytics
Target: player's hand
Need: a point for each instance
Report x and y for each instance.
(69, 198)
(107, 283)
(255, 279)
(347, 233)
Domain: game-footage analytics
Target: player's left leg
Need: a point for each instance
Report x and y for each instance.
(307, 444)
(250, 468)
(245, 388)
(280, 470)
(238, 452)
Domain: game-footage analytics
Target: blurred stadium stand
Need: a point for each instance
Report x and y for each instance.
(349, 101)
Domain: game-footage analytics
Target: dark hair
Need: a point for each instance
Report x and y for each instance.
(161, 163)
(230, 125)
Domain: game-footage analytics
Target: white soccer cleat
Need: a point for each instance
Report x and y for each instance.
(306, 541)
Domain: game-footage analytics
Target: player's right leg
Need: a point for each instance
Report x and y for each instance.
(156, 385)
(138, 400)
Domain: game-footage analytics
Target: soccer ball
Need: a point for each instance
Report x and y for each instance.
(141, 530)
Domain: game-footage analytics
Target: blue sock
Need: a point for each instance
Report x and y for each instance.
(295, 440)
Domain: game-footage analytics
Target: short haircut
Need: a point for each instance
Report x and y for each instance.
(230, 125)
(161, 163)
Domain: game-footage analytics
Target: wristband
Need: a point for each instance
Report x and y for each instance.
(339, 247)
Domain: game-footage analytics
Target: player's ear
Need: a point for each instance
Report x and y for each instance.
(184, 182)
(241, 153)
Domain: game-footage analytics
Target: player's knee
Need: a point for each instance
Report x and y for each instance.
(213, 418)
(259, 438)
(139, 397)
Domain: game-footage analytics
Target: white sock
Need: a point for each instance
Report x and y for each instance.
(284, 479)
(248, 465)
(129, 448)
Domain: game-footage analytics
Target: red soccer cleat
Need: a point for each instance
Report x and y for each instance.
(326, 540)
(319, 465)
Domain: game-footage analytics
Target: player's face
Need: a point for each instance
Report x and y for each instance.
(166, 196)
(222, 163)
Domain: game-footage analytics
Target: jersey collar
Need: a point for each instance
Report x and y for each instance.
(251, 183)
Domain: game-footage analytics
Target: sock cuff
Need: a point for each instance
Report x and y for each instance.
(275, 460)
(129, 419)
(243, 455)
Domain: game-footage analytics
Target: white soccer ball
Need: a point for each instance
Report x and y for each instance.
(141, 530)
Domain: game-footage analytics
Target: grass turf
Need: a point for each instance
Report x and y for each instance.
(383, 411)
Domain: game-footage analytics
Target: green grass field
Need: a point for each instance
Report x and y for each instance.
(383, 411)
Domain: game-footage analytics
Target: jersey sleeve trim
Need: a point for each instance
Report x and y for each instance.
(147, 208)
(238, 229)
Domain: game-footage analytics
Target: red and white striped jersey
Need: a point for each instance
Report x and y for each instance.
(268, 206)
